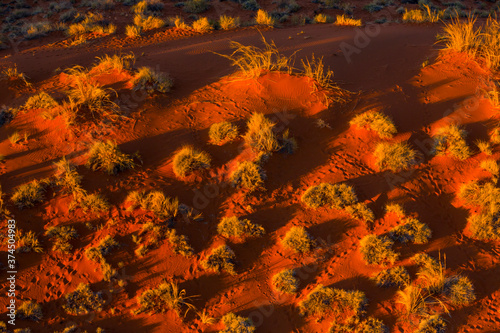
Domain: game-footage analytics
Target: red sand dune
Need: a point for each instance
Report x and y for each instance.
(386, 75)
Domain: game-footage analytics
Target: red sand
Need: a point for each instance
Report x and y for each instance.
(388, 75)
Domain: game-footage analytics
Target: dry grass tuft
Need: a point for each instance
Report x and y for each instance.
(376, 121)
(344, 20)
(394, 156)
(188, 160)
(298, 240)
(377, 250)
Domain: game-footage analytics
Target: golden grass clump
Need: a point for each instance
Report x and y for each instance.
(263, 18)
(260, 135)
(337, 196)
(322, 18)
(285, 281)
(235, 227)
(450, 140)
(252, 60)
(118, 62)
(234, 323)
(481, 42)
(298, 240)
(84, 92)
(220, 133)
(412, 298)
(344, 20)
(422, 15)
(377, 122)
(155, 201)
(491, 166)
(167, 296)
(92, 23)
(229, 22)
(41, 100)
(107, 157)
(150, 80)
(220, 259)
(83, 300)
(394, 156)
(395, 276)
(133, 31)
(188, 159)
(146, 23)
(411, 230)
(395, 208)
(249, 176)
(377, 250)
(29, 194)
(484, 147)
(202, 25)
(324, 299)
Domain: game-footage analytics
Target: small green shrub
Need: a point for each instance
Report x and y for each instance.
(41, 100)
(377, 250)
(459, 290)
(30, 310)
(450, 140)
(228, 22)
(248, 175)
(29, 194)
(188, 160)
(222, 258)
(83, 300)
(155, 201)
(337, 196)
(151, 81)
(432, 324)
(396, 276)
(260, 135)
(106, 156)
(298, 240)
(285, 281)
(323, 299)
(167, 296)
(377, 122)
(393, 156)
(220, 133)
(234, 227)
(196, 6)
(36, 29)
(411, 230)
(236, 324)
